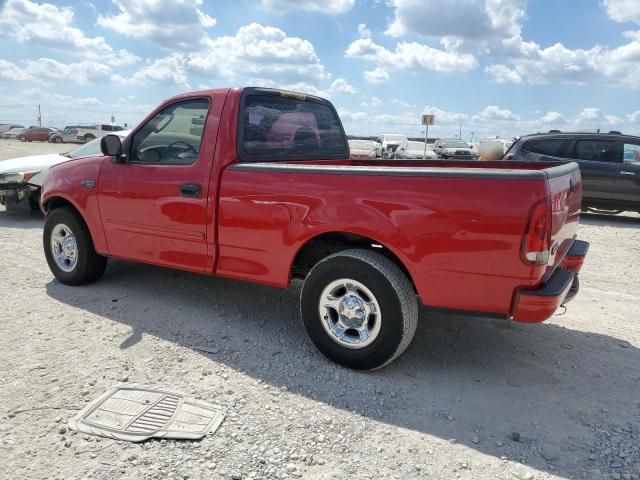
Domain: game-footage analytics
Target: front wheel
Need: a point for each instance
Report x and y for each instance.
(359, 309)
(69, 250)
(22, 138)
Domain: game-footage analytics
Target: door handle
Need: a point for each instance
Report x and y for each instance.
(626, 172)
(190, 190)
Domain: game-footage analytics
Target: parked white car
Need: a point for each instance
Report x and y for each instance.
(21, 178)
(12, 133)
(390, 142)
(362, 149)
(415, 151)
(87, 134)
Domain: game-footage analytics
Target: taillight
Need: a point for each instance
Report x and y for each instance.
(537, 237)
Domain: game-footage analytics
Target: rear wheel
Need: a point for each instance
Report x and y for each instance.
(359, 309)
(69, 250)
(88, 138)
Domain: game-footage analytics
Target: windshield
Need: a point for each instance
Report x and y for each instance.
(89, 149)
(455, 144)
(394, 138)
(361, 145)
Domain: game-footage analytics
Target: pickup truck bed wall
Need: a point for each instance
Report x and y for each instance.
(423, 215)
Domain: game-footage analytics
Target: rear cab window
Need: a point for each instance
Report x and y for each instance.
(276, 125)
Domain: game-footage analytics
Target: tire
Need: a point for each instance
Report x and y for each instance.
(370, 275)
(57, 139)
(88, 266)
(22, 138)
(88, 138)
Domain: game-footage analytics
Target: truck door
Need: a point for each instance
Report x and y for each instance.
(599, 164)
(628, 187)
(153, 204)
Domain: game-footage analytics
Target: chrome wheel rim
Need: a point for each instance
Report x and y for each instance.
(64, 247)
(350, 313)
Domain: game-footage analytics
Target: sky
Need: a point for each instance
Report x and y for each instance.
(483, 67)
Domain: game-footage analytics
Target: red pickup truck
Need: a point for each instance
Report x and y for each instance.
(257, 184)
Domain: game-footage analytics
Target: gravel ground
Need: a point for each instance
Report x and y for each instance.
(15, 148)
(471, 398)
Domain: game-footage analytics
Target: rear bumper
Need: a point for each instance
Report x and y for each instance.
(535, 306)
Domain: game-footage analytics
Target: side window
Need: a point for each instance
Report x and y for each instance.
(595, 150)
(631, 154)
(553, 147)
(169, 136)
(278, 127)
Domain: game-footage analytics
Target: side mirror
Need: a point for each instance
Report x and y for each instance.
(111, 145)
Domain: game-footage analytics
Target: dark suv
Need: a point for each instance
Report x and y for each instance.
(609, 163)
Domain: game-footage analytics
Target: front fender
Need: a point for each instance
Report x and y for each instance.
(70, 182)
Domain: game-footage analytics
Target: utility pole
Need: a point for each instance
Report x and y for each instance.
(39, 116)
(460, 134)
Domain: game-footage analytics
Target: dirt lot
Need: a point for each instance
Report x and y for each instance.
(471, 398)
(15, 148)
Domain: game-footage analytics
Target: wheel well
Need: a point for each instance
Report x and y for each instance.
(59, 202)
(327, 244)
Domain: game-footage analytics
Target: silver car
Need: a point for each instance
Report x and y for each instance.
(68, 135)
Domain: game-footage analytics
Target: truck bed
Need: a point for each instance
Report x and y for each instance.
(457, 225)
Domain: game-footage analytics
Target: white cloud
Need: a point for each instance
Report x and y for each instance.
(403, 103)
(558, 64)
(374, 102)
(363, 31)
(168, 23)
(443, 117)
(330, 7)
(493, 29)
(57, 100)
(10, 71)
(262, 53)
(495, 113)
(377, 75)
(503, 74)
(465, 19)
(553, 118)
(44, 70)
(634, 117)
(623, 10)
(170, 69)
(50, 26)
(410, 56)
(342, 86)
(594, 118)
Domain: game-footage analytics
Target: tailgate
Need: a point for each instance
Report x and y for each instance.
(565, 188)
